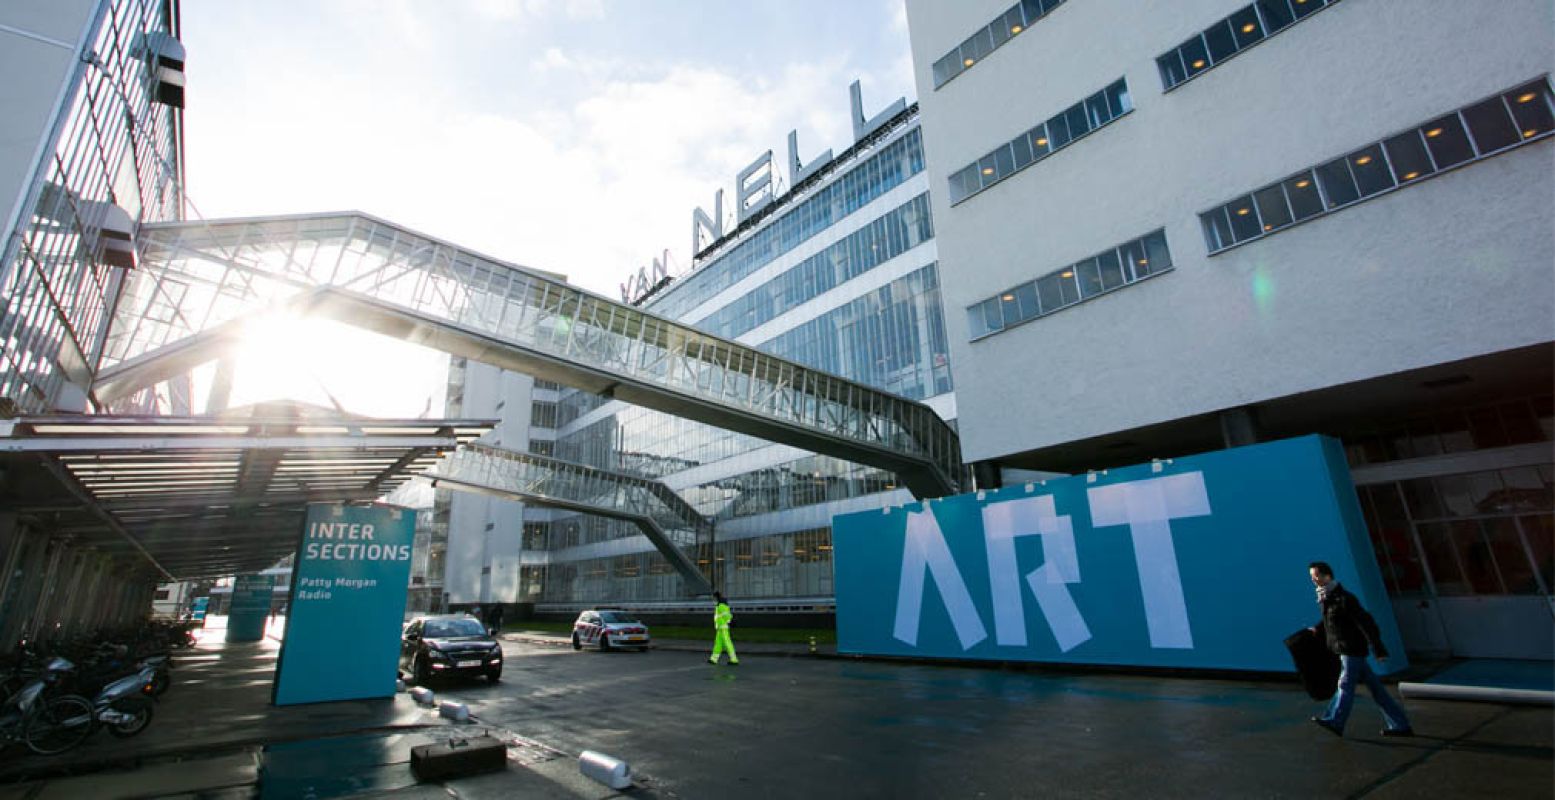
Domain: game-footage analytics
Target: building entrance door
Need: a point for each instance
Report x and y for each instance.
(1469, 560)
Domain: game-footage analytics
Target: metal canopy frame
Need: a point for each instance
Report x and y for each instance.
(205, 496)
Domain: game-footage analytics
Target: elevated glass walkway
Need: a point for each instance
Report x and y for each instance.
(199, 282)
(670, 523)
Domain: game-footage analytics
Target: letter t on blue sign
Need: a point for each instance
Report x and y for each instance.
(1148, 508)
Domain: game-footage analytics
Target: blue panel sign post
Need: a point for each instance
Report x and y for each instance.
(251, 596)
(1199, 562)
(347, 604)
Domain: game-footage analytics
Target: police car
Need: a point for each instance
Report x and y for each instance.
(608, 628)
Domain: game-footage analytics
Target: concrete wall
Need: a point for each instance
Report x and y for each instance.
(38, 40)
(485, 534)
(1454, 267)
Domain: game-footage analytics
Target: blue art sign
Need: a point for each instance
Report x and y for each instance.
(1199, 562)
(251, 597)
(347, 604)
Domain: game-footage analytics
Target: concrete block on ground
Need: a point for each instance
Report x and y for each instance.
(458, 712)
(609, 770)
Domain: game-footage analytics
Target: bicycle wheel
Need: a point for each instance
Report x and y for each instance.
(62, 723)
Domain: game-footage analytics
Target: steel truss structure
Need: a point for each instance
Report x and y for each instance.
(198, 282)
(668, 521)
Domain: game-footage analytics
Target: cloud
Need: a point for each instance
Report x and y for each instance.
(587, 164)
(509, 10)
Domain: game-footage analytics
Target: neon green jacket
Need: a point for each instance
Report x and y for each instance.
(722, 616)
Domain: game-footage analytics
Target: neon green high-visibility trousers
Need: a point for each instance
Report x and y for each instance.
(722, 642)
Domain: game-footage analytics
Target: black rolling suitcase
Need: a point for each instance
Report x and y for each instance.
(457, 758)
(1315, 663)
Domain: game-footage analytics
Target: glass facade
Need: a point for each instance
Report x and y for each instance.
(1488, 532)
(116, 145)
(875, 175)
(894, 233)
(891, 337)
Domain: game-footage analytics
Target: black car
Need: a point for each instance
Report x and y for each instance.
(455, 645)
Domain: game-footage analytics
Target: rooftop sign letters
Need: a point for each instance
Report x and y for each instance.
(753, 184)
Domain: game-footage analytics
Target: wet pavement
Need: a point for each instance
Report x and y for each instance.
(789, 727)
(822, 726)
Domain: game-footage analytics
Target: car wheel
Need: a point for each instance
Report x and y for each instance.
(421, 672)
(494, 675)
(576, 645)
(604, 643)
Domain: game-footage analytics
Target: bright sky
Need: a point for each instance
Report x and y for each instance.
(574, 136)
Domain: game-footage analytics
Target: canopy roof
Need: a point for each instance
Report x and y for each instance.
(203, 496)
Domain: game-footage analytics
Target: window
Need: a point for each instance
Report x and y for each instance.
(1008, 25)
(1447, 141)
(1490, 124)
(1407, 156)
(1090, 277)
(1370, 171)
(1337, 182)
(1031, 146)
(1473, 132)
(1227, 37)
(1531, 110)
(1302, 192)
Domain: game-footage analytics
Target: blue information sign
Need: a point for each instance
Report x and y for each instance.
(1200, 562)
(347, 604)
(251, 596)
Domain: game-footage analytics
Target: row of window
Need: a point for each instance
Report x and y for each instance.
(1120, 266)
(1034, 145)
(892, 234)
(1004, 27)
(1227, 37)
(1457, 430)
(826, 206)
(1470, 133)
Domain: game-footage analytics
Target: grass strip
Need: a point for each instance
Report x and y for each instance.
(698, 633)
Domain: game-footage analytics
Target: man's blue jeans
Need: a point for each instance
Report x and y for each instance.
(1355, 669)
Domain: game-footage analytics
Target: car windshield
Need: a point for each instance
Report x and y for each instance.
(616, 616)
(444, 628)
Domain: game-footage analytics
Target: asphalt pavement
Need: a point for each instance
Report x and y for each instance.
(842, 726)
(785, 723)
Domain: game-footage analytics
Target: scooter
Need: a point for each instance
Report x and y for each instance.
(124, 705)
(47, 723)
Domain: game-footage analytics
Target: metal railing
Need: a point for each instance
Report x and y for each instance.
(670, 523)
(197, 278)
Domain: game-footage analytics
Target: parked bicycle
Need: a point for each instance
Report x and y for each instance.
(33, 714)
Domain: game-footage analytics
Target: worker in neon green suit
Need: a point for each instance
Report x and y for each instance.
(722, 616)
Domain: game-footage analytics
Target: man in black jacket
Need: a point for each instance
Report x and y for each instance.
(1352, 633)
